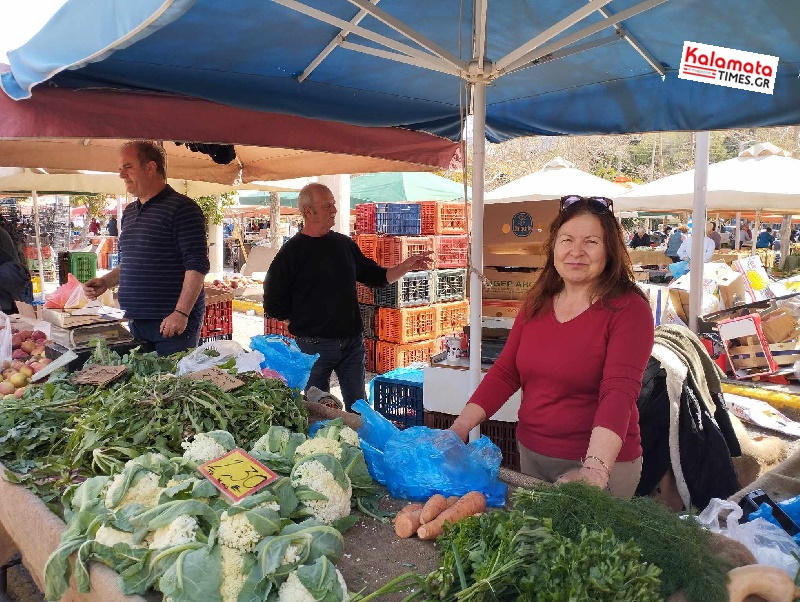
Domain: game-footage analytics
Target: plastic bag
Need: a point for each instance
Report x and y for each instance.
(207, 355)
(791, 508)
(418, 462)
(58, 298)
(679, 269)
(282, 355)
(6, 336)
(769, 544)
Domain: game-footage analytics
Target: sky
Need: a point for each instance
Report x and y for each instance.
(20, 19)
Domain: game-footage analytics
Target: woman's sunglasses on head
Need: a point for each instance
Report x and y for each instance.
(597, 204)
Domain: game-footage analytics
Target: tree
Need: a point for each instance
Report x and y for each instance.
(212, 211)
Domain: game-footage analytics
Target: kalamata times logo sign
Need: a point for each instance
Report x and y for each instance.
(728, 67)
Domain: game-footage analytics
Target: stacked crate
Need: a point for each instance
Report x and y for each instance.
(32, 260)
(405, 321)
(218, 319)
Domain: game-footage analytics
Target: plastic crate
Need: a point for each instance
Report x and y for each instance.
(365, 218)
(389, 356)
(83, 265)
(407, 324)
(368, 243)
(502, 434)
(399, 401)
(450, 252)
(369, 353)
(449, 285)
(218, 319)
(365, 294)
(368, 320)
(63, 267)
(400, 219)
(219, 337)
(113, 260)
(451, 317)
(394, 249)
(414, 288)
(273, 326)
(443, 218)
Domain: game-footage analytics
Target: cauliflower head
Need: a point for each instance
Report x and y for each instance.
(204, 448)
(109, 536)
(293, 590)
(314, 475)
(319, 445)
(236, 531)
(145, 491)
(349, 436)
(233, 574)
(180, 531)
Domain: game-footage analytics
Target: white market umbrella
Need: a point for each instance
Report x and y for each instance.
(556, 179)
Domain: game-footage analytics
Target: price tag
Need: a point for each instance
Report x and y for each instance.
(222, 379)
(237, 474)
(98, 375)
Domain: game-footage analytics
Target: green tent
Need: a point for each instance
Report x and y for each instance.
(386, 187)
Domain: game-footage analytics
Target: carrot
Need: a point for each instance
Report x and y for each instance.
(433, 508)
(406, 509)
(407, 523)
(471, 503)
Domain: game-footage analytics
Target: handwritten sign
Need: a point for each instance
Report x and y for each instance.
(237, 474)
(98, 375)
(223, 380)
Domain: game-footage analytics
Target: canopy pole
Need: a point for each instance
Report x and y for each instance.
(702, 143)
(756, 231)
(275, 238)
(476, 248)
(738, 231)
(786, 239)
(35, 198)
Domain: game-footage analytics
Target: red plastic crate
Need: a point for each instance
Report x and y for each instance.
(444, 218)
(273, 326)
(394, 249)
(218, 319)
(389, 356)
(369, 352)
(407, 325)
(451, 252)
(365, 218)
(365, 294)
(451, 317)
(368, 243)
(502, 434)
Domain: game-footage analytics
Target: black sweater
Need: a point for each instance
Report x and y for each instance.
(312, 283)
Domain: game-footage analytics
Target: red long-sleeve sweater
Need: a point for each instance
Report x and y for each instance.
(584, 373)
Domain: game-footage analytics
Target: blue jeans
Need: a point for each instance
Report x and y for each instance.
(345, 357)
(149, 331)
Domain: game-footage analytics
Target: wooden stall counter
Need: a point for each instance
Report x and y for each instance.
(648, 257)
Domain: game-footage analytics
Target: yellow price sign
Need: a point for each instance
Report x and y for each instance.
(237, 474)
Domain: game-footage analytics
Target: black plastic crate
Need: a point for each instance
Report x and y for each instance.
(413, 289)
(449, 285)
(399, 401)
(368, 320)
(219, 337)
(502, 434)
(398, 219)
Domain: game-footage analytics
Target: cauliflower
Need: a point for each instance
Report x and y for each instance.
(145, 491)
(109, 536)
(293, 589)
(263, 443)
(233, 574)
(292, 554)
(235, 531)
(180, 531)
(349, 436)
(319, 445)
(202, 449)
(314, 475)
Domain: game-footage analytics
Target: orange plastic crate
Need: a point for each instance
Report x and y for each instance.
(389, 356)
(451, 317)
(368, 243)
(218, 319)
(451, 252)
(369, 352)
(365, 218)
(273, 326)
(365, 294)
(407, 324)
(394, 249)
(444, 218)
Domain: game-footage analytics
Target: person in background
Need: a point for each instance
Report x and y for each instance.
(674, 242)
(111, 226)
(711, 232)
(163, 257)
(745, 235)
(94, 227)
(795, 236)
(15, 279)
(311, 284)
(685, 250)
(641, 238)
(765, 239)
(578, 349)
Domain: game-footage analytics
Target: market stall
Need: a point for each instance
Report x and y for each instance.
(648, 257)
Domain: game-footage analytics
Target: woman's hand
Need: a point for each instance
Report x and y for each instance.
(588, 475)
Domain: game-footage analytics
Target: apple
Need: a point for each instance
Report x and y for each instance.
(16, 341)
(6, 388)
(19, 392)
(39, 335)
(25, 334)
(19, 354)
(28, 346)
(26, 370)
(35, 367)
(18, 380)
(17, 364)
(44, 361)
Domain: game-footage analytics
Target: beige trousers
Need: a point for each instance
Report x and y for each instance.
(623, 481)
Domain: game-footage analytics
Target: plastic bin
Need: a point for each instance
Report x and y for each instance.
(389, 356)
(365, 294)
(451, 252)
(399, 219)
(219, 337)
(83, 265)
(113, 260)
(218, 320)
(365, 218)
(369, 353)
(502, 434)
(394, 249)
(399, 401)
(449, 285)
(368, 320)
(443, 218)
(451, 317)
(273, 326)
(415, 288)
(368, 243)
(407, 324)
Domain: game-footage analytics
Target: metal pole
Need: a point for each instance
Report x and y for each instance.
(702, 144)
(275, 238)
(738, 231)
(756, 231)
(38, 242)
(476, 249)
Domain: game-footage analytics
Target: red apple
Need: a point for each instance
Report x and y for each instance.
(6, 388)
(19, 392)
(28, 346)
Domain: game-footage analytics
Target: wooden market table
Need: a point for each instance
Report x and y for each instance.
(729, 256)
(650, 257)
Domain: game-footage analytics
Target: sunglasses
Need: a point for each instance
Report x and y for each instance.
(597, 204)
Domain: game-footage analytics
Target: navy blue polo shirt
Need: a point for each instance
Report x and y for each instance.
(159, 241)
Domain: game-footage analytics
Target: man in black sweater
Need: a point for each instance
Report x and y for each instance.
(311, 284)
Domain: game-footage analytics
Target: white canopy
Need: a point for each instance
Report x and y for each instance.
(762, 177)
(556, 179)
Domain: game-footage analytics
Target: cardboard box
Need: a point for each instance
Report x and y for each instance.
(731, 289)
(508, 283)
(496, 308)
(680, 302)
(757, 359)
(778, 326)
(514, 233)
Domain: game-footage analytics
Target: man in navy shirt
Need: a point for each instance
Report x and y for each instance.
(163, 257)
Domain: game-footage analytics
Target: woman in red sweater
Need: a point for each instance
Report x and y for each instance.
(578, 350)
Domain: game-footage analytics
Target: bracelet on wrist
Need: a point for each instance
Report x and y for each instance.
(184, 314)
(599, 461)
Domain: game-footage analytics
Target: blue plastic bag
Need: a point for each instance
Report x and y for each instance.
(282, 355)
(375, 429)
(679, 269)
(791, 507)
